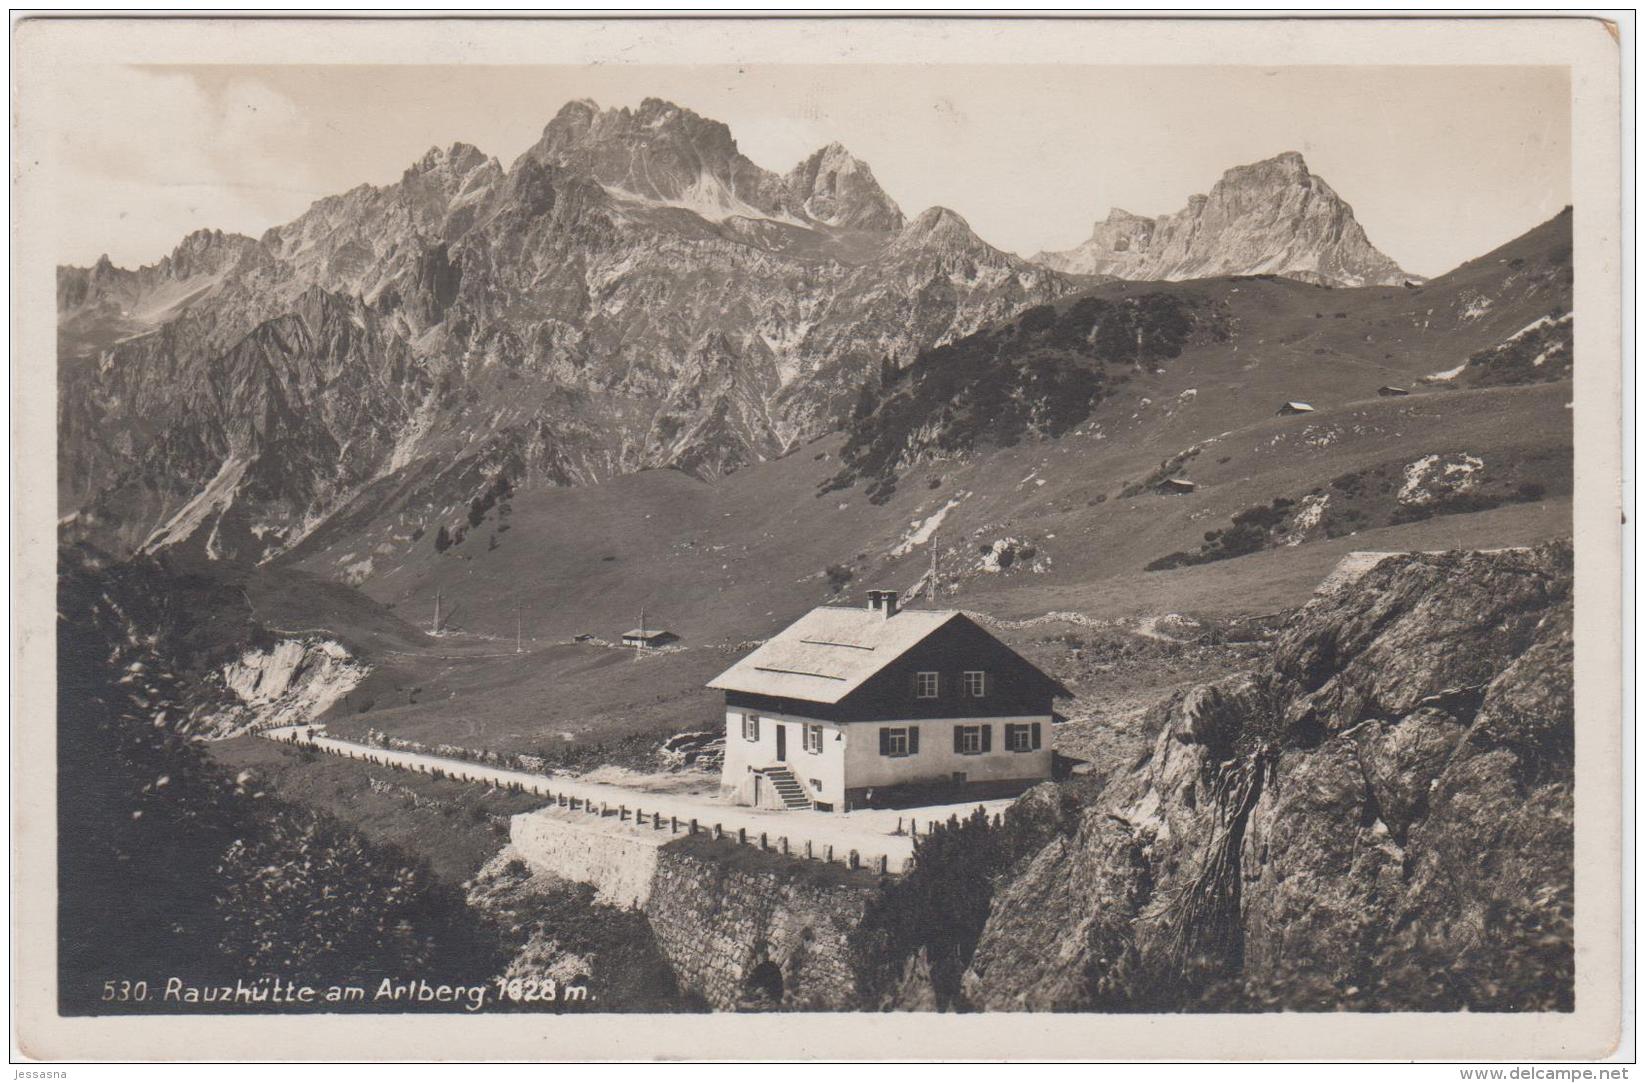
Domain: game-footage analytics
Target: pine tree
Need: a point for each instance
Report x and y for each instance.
(442, 540)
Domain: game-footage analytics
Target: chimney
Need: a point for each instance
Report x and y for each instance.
(883, 601)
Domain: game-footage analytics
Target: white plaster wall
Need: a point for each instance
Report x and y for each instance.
(851, 756)
(937, 760)
(826, 768)
(619, 863)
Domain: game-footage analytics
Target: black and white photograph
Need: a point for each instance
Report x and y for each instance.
(684, 535)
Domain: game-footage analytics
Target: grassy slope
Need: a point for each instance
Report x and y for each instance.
(445, 822)
(733, 561)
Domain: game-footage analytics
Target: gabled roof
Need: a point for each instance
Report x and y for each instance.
(646, 633)
(1300, 407)
(828, 653)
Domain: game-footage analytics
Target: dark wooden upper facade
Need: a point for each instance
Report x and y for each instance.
(1013, 686)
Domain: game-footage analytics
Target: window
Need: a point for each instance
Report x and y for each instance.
(899, 740)
(751, 727)
(1022, 737)
(976, 683)
(973, 740)
(813, 738)
(925, 685)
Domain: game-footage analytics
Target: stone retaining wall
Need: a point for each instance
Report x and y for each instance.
(620, 864)
(741, 927)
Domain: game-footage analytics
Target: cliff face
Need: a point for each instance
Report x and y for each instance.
(1269, 217)
(1380, 821)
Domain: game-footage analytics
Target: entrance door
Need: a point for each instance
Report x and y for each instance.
(782, 743)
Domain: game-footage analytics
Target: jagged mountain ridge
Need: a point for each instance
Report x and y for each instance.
(1269, 217)
(632, 292)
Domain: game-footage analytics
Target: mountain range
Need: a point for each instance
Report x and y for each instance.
(631, 292)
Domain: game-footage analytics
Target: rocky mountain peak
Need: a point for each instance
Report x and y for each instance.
(205, 251)
(938, 225)
(457, 158)
(661, 153)
(1270, 178)
(1268, 217)
(836, 188)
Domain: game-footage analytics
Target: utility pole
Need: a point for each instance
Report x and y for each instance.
(639, 643)
(931, 579)
(518, 649)
(437, 612)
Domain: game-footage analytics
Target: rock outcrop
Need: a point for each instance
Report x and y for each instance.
(1269, 217)
(1380, 821)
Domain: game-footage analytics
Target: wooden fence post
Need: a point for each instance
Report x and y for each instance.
(882, 864)
(808, 848)
(742, 835)
(853, 859)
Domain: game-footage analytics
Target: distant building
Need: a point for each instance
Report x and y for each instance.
(849, 707)
(1177, 485)
(1389, 391)
(1297, 408)
(648, 637)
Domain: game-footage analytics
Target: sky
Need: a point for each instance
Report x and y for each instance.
(1441, 164)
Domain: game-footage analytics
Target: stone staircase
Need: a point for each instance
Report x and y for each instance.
(788, 788)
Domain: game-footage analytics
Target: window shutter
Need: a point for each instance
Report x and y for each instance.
(987, 737)
(885, 741)
(1034, 729)
(959, 745)
(913, 740)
